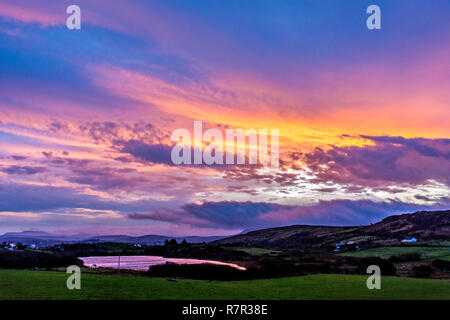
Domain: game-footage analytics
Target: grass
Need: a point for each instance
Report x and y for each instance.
(48, 285)
(337, 232)
(256, 251)
(427, 253)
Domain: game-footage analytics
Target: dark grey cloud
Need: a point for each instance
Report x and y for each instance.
(157, 153)
(19, 158)
(23, 170)
(109, 132)
(437, 148)
(422, 197)
(105, 178)
(16, 197)
(232, 214)
(22, 197)
(391, 160)
(99, 176)
(225, 214)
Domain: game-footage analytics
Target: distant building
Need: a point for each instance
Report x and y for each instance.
(11, 246)
(407, 240)
(338, 247)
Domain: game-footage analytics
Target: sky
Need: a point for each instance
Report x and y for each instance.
(86, 116)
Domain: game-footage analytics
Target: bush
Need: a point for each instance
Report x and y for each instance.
(423, 271)
(32, 259)
(387, 267)
(441, 264)
(203, 271)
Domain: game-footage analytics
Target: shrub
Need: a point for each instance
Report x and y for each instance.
(441, 264)
(387, 267)
(422, 271)
(196, 271)
(28, 259)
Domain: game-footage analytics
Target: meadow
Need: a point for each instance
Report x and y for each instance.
(49, 285)
(426, 253)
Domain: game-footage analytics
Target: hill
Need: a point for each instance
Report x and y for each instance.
(42, 238)
(423, 225)
(151, 239)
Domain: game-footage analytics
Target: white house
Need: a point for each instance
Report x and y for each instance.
(11, 246)
(409, 240)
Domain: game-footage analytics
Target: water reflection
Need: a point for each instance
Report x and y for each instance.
(142, 263)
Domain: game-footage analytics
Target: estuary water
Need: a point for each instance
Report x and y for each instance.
(142, 263)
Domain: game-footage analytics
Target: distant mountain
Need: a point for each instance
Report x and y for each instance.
(45, 238)
(28, 237)
(152, 239)
(424, 225)
(26, 234)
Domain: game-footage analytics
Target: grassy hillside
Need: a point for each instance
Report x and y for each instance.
(289, 236)
(424, 225)
(427, 253)
(24, 284)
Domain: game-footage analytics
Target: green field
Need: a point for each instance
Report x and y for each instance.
(24, 284)
(256, 251)
(427, 253)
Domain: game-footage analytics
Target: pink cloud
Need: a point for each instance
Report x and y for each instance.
(33, 11)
